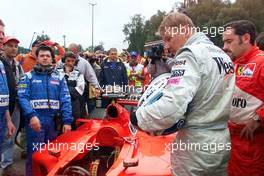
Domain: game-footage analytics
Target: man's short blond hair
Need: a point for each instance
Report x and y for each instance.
(174, 19)
(2, 23)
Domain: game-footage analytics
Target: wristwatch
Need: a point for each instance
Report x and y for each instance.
(256, 118)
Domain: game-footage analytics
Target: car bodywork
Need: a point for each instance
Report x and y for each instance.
(109, 146)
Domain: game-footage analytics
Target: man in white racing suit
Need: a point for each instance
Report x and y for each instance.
(197, 98)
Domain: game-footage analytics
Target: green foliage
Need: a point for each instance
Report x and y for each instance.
(204, 13)
(134, 32)
(138, 31)
(43, 37)
(100, 46)
(22, 50)
(152, 25)
(216, 13)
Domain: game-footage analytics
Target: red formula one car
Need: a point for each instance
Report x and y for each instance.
(108, 146)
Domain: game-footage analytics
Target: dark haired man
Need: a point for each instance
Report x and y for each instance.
(43, 93)
(247, 112)
(260, 41)
(75, 82)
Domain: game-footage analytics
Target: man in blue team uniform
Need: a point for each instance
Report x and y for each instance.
(43, 93)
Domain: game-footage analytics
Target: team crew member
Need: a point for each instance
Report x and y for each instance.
(196, 100)
(43, 93)
(247, 113)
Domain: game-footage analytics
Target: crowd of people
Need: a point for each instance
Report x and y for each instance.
(217, 92)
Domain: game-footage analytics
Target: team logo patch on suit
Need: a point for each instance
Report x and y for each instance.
(177, 73)
(22, 86)
(180, 62)
(174, 81)
(4, 100)
(245, 70)
(36, 81)
(45, 104)
(55, 76)
(54, 82)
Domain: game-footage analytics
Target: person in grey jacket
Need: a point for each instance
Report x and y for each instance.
(197, 98)
(86, 69)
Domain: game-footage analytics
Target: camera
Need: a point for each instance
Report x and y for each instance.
(155, 53)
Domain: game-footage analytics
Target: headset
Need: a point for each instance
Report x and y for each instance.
(40, 69)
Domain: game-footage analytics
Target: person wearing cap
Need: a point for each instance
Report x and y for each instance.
(28, 61)
(14, 72)
(135, 73)
(5, 119)
(2, 35)
(75, 82)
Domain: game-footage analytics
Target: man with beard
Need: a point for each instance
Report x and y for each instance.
(247, 111)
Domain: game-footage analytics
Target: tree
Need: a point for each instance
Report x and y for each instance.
(100, 46)
(138, 32)
(254, 10)
(216, 13)
(134, 33)
(152, 25)
(43, 37)
(22, 50)
(206, 14)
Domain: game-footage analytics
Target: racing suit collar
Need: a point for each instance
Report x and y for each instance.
(197, 37)
(247, 56)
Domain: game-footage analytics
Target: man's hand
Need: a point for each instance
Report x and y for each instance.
(35, 124)
(250, 127)
(66, 128)
(140, 77)
(98, 92)
(11, 128)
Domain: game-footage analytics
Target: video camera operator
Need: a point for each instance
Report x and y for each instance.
(160, 61)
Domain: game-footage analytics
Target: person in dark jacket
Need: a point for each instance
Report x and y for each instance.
(113, 74)
(113, 71)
